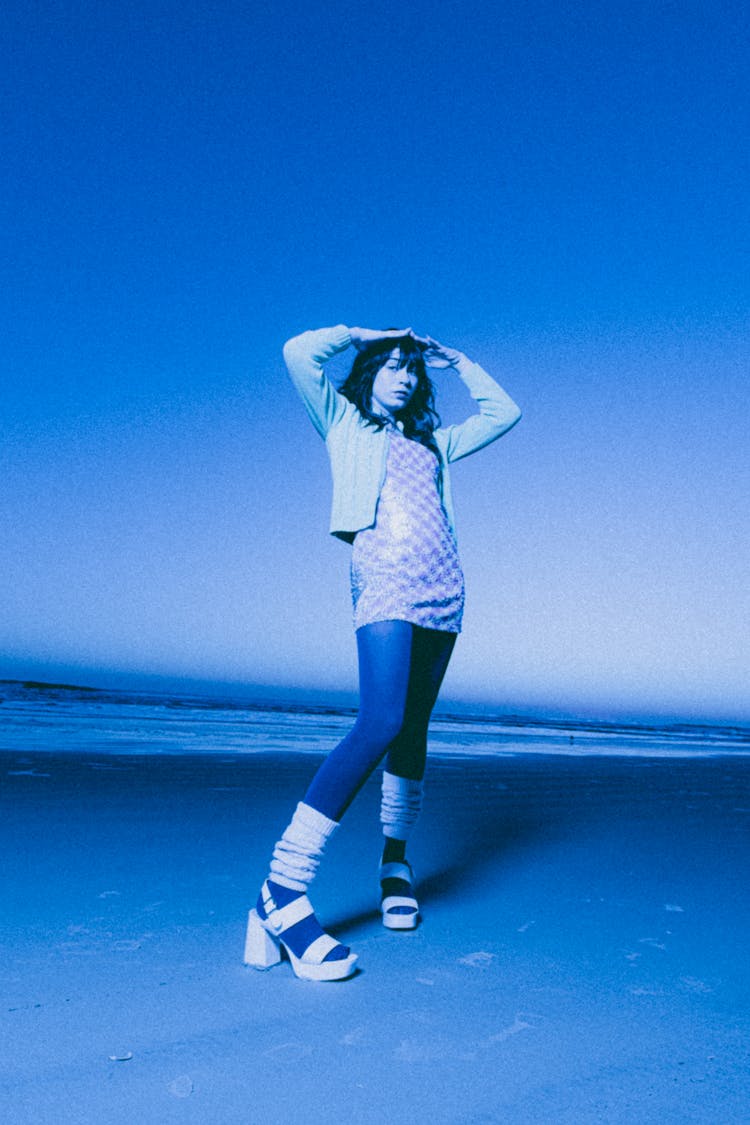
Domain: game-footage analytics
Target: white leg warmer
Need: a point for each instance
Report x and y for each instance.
(297, 854)
(400, 805)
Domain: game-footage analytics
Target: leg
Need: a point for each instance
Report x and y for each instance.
(384, 659)
(402, 778)
(385, 654)
(431, 652)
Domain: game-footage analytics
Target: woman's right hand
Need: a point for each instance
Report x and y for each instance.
(362, 337)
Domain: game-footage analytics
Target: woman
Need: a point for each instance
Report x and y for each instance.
(392, 501)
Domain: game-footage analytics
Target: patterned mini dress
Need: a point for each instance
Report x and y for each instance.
(406, 566)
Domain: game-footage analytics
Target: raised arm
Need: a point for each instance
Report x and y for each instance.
(304, 356)
(497, 410)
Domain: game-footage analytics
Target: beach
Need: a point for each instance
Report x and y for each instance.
(582, 955)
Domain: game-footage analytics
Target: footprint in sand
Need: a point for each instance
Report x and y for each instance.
(692, 984)
(288, 1051)
(507, 1032)
(413, 1051)
(479, 960)
(181, 1087)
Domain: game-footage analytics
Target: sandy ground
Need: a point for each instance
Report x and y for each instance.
(583, 955)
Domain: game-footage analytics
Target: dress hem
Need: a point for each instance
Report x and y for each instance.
(409, 621)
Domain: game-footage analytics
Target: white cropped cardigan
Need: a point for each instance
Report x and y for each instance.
(358, 450)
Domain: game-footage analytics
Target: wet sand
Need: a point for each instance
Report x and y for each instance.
(582, 956)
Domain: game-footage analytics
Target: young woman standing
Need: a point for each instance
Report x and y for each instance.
(392, 501)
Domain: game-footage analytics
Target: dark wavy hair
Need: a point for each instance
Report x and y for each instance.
(419, 417)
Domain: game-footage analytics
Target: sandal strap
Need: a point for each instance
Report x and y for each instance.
(318, 950)
(399, 900)
(396, 871)
(280, 918)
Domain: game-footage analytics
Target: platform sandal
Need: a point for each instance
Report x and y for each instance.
(265, 939)
(395, 914)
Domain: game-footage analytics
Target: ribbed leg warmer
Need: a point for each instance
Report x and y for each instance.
(400, 805)
(297, 854)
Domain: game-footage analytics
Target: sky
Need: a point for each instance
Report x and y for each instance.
(560, 191)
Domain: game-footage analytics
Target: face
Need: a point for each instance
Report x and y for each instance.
(393, 386)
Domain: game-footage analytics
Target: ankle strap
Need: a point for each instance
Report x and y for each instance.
(280, 918)
(396, 871)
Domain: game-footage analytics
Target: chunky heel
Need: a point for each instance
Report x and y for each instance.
(262, 951)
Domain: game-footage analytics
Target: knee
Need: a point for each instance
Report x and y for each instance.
(381, 728)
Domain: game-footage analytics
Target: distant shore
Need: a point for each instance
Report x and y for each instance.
(204, 694)
(38, 716)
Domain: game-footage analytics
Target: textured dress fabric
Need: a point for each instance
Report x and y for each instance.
(406, 566)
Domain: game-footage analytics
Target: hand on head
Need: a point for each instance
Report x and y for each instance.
(436, 355)
(363, 337)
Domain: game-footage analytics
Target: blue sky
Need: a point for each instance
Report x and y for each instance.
(562, 193)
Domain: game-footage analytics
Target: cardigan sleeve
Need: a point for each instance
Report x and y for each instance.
(497, 414)
(304, 356)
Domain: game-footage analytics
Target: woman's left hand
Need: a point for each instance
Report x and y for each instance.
(437, 355)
